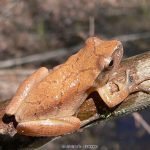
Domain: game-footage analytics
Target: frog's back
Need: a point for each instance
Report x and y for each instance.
(64, 89)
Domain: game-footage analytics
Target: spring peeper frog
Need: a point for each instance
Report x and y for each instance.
(46, 102)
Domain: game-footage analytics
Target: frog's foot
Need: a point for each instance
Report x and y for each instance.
(114, 97)
(24, 89)
(49, 127)
(142, 87)
(85, 122)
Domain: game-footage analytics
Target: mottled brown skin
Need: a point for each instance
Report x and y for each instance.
(45, 102)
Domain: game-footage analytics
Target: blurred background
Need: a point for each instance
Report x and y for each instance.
(37, 33)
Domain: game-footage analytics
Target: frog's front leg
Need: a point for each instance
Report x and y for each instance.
(114, 98)
(24, 89)
(49, 127)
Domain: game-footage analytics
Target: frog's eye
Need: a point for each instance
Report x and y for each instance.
(111, 63)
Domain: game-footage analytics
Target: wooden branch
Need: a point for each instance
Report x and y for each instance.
(132, 37)
(139, 67)
(139, 121)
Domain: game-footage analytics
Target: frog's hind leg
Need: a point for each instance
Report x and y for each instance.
(24, 89)
(49, 127)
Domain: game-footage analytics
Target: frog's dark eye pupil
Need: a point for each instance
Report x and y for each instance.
(111, 63)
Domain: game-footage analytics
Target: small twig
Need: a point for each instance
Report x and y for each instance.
(91, 26)
(38, 57)
(141, 121)
(20, 72)
(124, 4)
(132, 37)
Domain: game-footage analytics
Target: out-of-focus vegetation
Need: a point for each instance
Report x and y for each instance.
(34, 26)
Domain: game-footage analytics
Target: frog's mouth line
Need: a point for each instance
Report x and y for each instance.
(8, 119)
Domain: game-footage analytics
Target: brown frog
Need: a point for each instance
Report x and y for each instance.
(46, 102)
